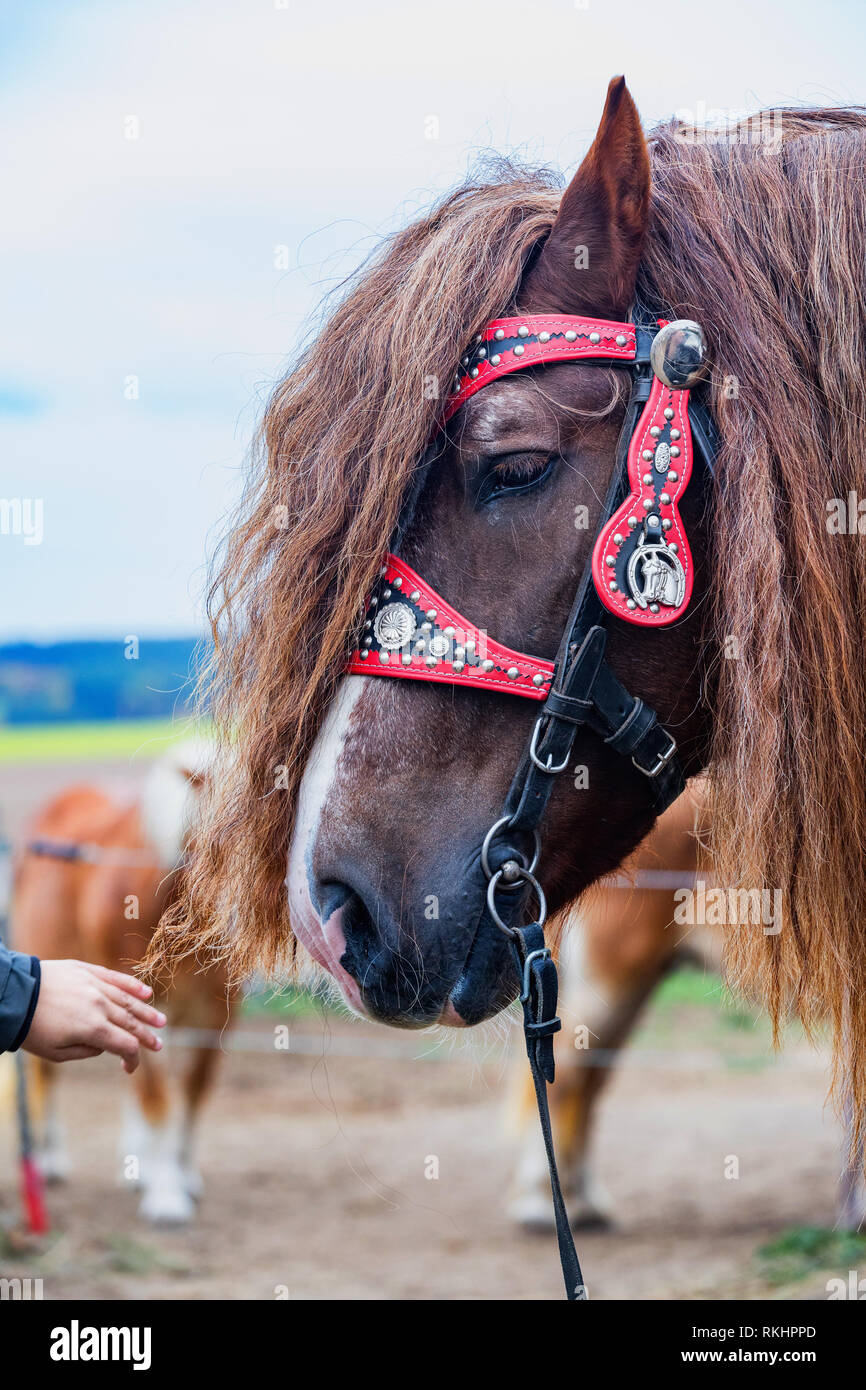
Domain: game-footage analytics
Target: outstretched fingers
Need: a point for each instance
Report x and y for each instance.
(122, 1016)
(145, 1013)
(128, 983)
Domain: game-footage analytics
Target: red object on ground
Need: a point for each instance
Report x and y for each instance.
(32, 1198)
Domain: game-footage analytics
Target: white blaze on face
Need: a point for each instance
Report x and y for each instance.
(315, 788)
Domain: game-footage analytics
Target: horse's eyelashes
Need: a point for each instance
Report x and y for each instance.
(516, 473)
(520, 467)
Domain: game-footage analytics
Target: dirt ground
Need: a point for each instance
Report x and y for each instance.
(314, 1165)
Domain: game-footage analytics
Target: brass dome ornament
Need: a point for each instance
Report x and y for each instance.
(678, 355)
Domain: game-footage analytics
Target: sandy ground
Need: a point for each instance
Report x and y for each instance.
(315, 1180)
(314, 1169)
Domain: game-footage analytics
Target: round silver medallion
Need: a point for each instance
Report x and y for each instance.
(394, 626)
(439, 644)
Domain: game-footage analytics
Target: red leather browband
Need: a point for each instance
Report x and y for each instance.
(510, 345)
(641, 564)
(411, 631)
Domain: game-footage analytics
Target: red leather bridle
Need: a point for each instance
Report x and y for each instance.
(642, 566)
(641, 571)
(411, 631)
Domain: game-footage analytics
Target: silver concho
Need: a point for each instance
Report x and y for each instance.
(655, 575)
(662, 460)
(678, 355)
(394, 626)
(439, 645)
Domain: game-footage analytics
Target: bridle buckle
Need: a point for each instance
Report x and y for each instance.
(662, 760)
(533, 752)
(543, 953)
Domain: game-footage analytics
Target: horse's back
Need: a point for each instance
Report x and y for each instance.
(104, 912)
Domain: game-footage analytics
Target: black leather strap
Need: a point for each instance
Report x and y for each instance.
(539, 989)
(584, 690)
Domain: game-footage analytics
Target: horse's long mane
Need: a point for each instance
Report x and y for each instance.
(757, 233)
(762, 241)
(341, 438)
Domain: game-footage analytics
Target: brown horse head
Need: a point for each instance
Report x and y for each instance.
(383, 789)
(385, 882)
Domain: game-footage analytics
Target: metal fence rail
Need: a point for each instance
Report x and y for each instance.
(391, 1049)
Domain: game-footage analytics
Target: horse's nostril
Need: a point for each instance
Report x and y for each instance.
(361, 934)
(330, 897)
(358, 925)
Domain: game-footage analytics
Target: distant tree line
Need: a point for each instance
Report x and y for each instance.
(145, 678)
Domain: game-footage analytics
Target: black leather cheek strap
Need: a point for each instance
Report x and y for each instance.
(630, 727)
(587, 692)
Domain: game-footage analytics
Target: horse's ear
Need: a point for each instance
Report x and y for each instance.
(589, 262)
(194, 776)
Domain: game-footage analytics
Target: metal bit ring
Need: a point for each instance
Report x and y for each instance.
(489, 838)
(526, 877)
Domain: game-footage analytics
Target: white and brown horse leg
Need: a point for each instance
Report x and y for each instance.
(197, 1083)
(52, 1153)
(152, 1147)
(166, 1116)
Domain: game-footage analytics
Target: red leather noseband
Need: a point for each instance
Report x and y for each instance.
(411, 631)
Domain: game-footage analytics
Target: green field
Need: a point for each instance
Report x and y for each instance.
(111, 738)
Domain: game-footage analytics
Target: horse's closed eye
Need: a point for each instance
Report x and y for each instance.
(513, 473)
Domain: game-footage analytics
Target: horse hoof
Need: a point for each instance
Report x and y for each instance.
(166, 1207)
(590, 1220)
(54, 1168)
(194, 1183)
(533, 1213)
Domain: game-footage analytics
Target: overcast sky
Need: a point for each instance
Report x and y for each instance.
(146, 303)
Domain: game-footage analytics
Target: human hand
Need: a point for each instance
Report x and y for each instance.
(84, 1010)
